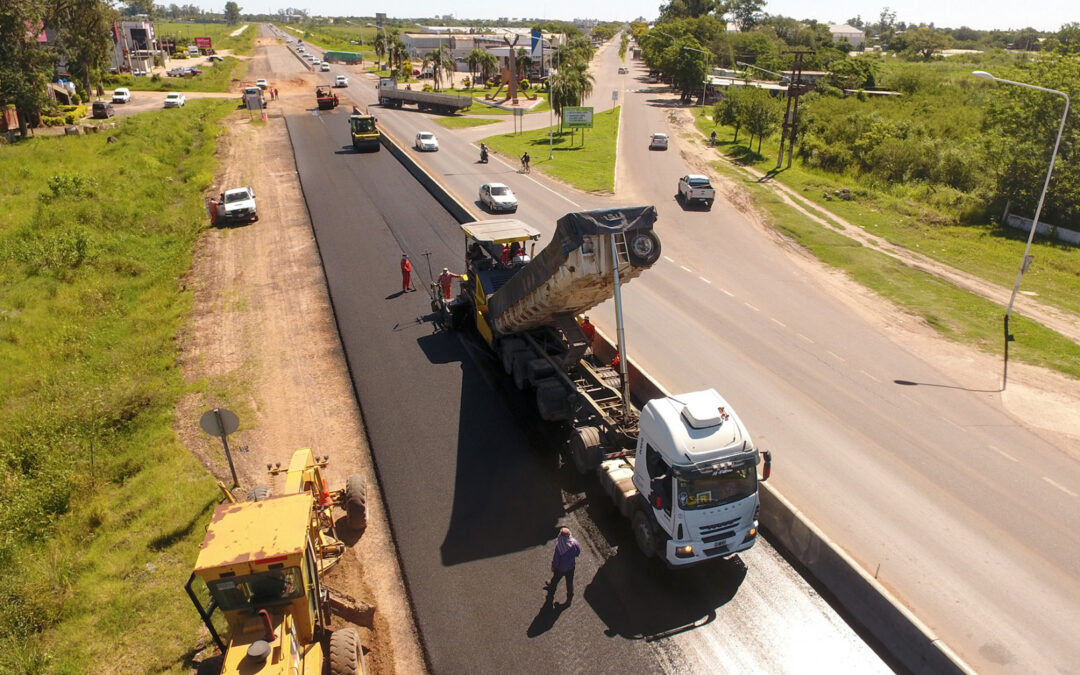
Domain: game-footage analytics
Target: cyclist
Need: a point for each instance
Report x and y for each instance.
(525, 162)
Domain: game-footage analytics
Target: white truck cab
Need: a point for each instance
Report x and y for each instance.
(693, 489)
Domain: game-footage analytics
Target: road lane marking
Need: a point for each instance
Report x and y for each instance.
(834, 355)
(778, 322)
(687, 269)
(953, 423)
(1001, 452)
(668, 259)
(870, 376)
(1059, 486)
(804, 338)
(705, 280)
(910, 399)
(727, 293)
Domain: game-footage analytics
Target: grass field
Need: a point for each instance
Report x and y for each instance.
(103, 508)
(589, 167)
(219, 34)
(986, 252)
(213, 78)
(462, 122)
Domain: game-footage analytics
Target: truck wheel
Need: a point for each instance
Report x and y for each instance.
(644, 533)
(585, 449)
(708, 203)
(552, 401)
(644, 248)
(346, 654)
(259, 493)
(356, 502)
(509, 350)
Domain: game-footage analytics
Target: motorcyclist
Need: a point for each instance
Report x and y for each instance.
(483, 152)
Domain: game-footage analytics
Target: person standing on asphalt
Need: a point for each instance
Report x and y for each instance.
(563, 563)
(406, 273)
(446, 280)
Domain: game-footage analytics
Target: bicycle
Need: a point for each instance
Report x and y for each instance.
(524, 165)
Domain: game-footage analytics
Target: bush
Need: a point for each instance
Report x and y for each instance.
(524, 84)
(489, 84)
(52, 120)
(427, 87)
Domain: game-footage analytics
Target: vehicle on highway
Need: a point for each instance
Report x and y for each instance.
(426, 142)
(324, 67)
(316, 62)
(682, 469)
(102, 110)
(175, 99)
(121, 95)
(214, 57)
(239, 205)
(341, 81)
(261, 83)
(653, 78)
(392, 97)
(364, 132)
(623, 70)
(300, 49)
(253, 92)
(325, 98)
(498, 197)
(658, 141)
(696, 188)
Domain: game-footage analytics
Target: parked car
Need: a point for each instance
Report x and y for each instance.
(341, 81)
(324, 67)
(426, 142)
(261, 83)
(214, 57)
(174, 99)
(239, 205)
(121, 95)
(248, 91)
(658, 141)
(102, 110)
(653, 79)
(498, 197)
(623, 71)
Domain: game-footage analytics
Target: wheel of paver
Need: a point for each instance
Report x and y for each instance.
(356, 502)
(552, 401)
(259, 493)
(346, 655)
(644, 248)
(644, 534)
(508, 349)
(585, 449)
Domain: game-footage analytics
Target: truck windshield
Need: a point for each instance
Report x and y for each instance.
(704, 492)
(362, 125)
(231, 197)
(257, 590)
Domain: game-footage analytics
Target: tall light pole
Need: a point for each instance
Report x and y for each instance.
(551, 118)
(704, 86)
(1038, 210)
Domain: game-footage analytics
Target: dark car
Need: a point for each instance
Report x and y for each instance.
(102, 110)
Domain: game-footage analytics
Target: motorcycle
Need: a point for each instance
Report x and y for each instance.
(483, 155)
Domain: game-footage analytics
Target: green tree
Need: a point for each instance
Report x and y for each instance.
(746, 13)
(232, 13)
(726, 110)
(760, 113)
(524, 62)
(1068, 39)
(854, 73)
(473, 60)
(924, 42)
(682, 9)
(25, 67)
(685, 63)
(82, 35)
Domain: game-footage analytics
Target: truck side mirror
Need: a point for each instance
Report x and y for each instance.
(766, 470)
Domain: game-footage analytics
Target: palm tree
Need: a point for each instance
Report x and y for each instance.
(474, 59)
(489, 65)
(524, 61)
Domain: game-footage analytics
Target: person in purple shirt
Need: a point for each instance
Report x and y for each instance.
(563, 562)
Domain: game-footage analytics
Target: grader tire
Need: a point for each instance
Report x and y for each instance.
(356, 502)
(259, 493)
(346, 655)
(585, 449)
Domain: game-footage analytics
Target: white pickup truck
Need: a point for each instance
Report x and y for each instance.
(696, 188)
(239, 204)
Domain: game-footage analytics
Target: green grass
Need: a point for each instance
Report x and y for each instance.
(463, 122)
(589, 167)
(479, 108)
(213, 78)
(953, 312)
(185, 33)
(103, 507)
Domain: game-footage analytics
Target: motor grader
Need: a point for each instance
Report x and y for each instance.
(263, 562)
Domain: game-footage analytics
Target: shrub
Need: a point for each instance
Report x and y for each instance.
(489, 84)
(524, 84)
(427, 87)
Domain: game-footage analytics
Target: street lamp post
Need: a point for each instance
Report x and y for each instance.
(704, 86)
(1026, 261)
(551, 118)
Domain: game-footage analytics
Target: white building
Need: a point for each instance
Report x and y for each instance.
(844, 32)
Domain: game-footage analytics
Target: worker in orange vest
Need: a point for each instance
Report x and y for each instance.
(406, 274)
(446, 280)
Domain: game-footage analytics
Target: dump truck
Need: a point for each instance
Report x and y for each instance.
(325, 97)
(682, 468)
(364, 131)
(343, 57)
(392, 97)
(263, 562)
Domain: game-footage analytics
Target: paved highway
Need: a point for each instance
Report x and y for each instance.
(473, 485)
(926, 480)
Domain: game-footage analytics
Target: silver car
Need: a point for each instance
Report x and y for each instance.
(426, 142)
(498, 197)
(658, 142)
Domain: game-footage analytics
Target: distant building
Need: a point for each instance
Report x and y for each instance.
(849, 34)
(134, 46)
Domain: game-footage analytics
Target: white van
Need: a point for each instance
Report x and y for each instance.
(193, 50)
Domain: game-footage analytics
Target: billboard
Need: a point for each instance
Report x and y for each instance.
(202, 43)
(578, 117)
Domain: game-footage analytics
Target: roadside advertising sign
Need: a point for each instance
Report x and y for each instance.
(579, 117)
(203, 43)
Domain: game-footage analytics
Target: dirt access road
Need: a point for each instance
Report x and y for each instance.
(262, 342)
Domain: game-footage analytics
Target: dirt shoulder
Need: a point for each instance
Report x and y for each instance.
(262, 342)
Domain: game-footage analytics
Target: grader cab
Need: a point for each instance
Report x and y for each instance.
(263, 562)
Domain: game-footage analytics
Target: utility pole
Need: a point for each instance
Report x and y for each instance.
(791, 114)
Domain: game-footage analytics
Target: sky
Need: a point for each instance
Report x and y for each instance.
(1046, 15)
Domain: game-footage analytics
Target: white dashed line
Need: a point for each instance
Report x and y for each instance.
(751, 306)
(687, 269)
(834, 355)
(953, 423)
(778, 322)
(803, 337)
(668, 259)
(727, 293)
(870, 376)
(705, 280)
(1002, 452)
(910, 399)
(1060, 486)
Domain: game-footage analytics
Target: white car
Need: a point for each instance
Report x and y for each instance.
(658, 142)
(239, 204)
(341, 81)
(426, 142)
(300, 49)
(324, 67)
(121, 95)
(315, 62)
(261, 83)
(498, 197)
(623, 71)
(175, 100)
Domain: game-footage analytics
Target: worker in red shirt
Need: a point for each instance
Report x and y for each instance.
(406, 274)
(446, 280)
(615, 361)
(588, 329)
